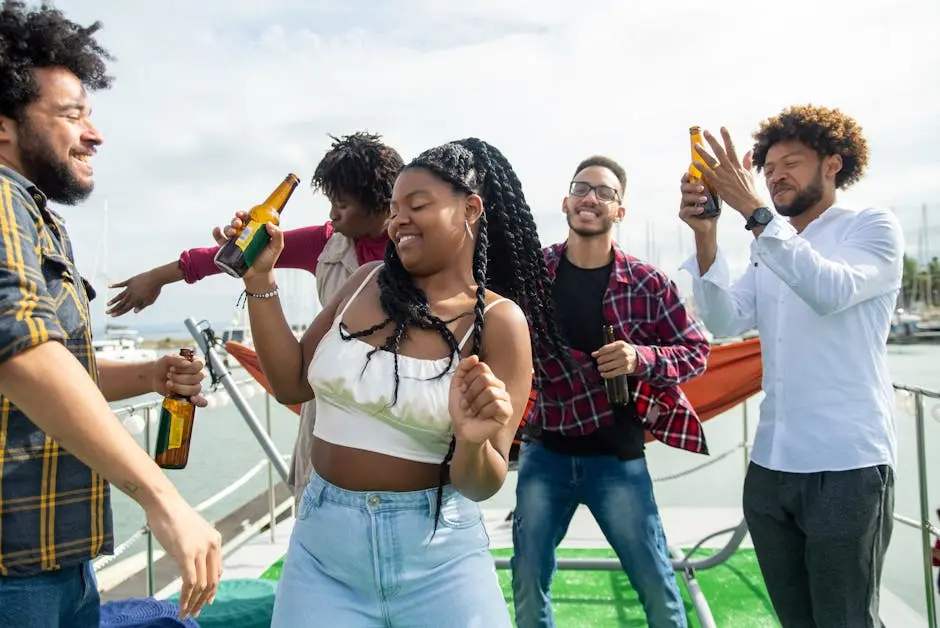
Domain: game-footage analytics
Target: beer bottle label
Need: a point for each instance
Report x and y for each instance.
(252, 240)
(245, 236)
(176, 432)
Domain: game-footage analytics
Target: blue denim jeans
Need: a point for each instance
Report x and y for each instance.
(363, 559)
(620, 496)
(68, 597)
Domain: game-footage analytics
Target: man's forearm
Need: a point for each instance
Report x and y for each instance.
(706, 250)
(123, 380)
(50, 386)
(671, 365)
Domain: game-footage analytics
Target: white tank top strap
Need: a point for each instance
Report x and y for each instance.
(359, 289)
(486, 309)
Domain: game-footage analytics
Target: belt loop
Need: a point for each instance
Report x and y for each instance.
(316, 488)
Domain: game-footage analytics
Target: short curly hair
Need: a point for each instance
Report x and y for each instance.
(360, 166)
(43, 38)
(827, 131)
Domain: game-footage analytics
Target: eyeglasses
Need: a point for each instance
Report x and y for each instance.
(603, 193)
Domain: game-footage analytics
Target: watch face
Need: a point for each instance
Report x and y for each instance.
(760, 218)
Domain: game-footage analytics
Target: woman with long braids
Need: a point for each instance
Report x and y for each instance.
(420, 367)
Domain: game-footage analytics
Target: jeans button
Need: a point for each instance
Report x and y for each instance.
(374, 500)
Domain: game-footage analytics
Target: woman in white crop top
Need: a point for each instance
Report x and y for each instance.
(420, 373)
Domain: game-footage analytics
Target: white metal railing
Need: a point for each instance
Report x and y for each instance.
(928, 532)
(148, 412)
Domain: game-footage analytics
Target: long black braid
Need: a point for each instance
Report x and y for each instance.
(507, 259)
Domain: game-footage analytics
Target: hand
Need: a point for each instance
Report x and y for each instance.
(263, 265)
(731, 179)
(266, 260)
(479, 404)
(232, 229)
(139, 292)
(195, 546)
(175, 374)
(617, 358)
(690, 208)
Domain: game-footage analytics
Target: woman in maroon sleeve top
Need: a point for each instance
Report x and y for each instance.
(357, 176)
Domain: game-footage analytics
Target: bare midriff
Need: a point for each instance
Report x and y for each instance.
(359, 470)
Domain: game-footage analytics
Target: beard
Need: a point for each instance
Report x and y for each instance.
(47, 170)
(804, 199)
(604, 228)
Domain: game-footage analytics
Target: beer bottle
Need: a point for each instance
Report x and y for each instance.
(176, 428)
(617, 389)
(238, 254)
(713, 203)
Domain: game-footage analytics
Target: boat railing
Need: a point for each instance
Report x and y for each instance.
(910, 398)
(915, 396)
(140, 418)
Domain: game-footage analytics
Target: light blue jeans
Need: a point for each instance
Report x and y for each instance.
(364, 559)
(620, 496)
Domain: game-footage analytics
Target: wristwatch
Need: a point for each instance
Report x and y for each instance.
(760, 218)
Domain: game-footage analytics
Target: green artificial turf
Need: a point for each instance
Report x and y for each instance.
(735, 592)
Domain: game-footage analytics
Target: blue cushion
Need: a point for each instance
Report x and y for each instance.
(143, 613)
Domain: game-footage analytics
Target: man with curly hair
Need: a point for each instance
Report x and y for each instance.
(60, 445)
(820, 288)
(356, 175)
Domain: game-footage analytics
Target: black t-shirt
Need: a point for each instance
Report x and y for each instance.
(578, 295)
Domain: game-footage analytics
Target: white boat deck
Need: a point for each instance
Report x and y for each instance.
(684, 528)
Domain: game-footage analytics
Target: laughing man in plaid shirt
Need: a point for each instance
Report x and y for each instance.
(60, 444)
(579, 450)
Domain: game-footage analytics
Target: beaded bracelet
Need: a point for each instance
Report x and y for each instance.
(243, 298)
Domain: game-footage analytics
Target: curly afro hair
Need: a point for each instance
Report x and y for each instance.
(360, 166)
(41, 38)
(827, 131)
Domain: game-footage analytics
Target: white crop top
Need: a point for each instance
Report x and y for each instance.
(354, 398)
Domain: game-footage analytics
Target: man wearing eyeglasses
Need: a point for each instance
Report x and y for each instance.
(578, 447)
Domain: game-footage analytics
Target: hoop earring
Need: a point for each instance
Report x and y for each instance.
(469, 231)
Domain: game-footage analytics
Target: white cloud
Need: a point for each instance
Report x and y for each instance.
(215, 101)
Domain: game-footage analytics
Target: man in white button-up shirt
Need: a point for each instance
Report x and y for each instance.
(820, 288)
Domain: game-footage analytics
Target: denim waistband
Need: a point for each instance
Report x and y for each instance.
(424, 500)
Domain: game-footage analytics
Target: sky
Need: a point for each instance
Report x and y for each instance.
(214, 102)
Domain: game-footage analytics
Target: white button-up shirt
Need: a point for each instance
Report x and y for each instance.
(822, 302)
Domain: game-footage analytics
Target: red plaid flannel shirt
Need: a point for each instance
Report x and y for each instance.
(644, 308)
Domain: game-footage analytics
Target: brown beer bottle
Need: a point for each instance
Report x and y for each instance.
(238, 254)
(617, 389)
(176, 428)
(713, 203)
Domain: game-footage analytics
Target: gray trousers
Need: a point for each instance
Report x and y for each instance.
(820, 540)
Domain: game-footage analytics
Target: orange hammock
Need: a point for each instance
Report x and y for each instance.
(733, 375)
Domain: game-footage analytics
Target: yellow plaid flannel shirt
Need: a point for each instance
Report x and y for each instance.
(54, 510)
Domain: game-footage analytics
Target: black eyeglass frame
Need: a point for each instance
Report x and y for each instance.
(588, 188)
